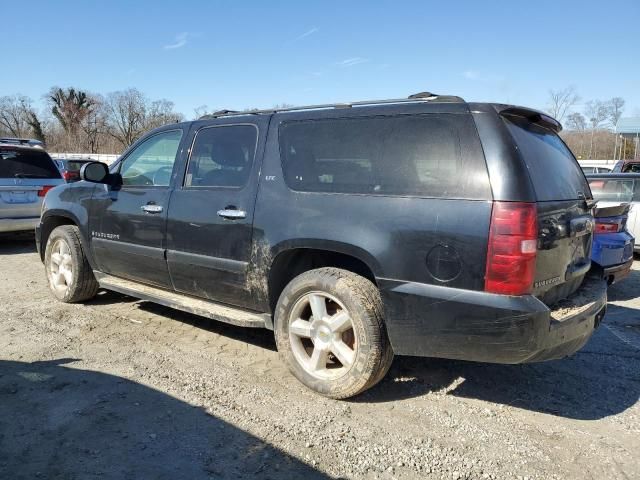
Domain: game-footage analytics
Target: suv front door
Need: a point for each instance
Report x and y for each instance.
(127, 225)
(210, 220)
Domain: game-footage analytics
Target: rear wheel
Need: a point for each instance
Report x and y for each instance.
(330, 331)
(69, 274)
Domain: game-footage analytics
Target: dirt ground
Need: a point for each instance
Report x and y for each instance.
(122, 389)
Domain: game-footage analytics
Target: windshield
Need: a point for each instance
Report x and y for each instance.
(554, 171)
(27, 164)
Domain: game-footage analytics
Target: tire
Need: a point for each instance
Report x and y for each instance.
(69, 274)
(347, 350)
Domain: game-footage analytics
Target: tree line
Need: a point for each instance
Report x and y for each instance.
(590, 131)
(78, 121)
(75, 120)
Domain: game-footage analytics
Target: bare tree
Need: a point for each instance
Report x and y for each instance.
(616, 106)
(200, 111)
(576, 121)
(94, 124)
(561, 101)
(126, 112)
(160, 112)
(597, 112)
(13, 118)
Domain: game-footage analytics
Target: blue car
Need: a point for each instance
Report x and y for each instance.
(612, 251)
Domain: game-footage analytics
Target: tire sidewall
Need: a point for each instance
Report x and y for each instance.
(362, 369)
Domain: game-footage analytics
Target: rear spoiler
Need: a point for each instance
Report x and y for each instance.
(612, 211)
(534, 116)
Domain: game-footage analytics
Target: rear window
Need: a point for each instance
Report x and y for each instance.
(553, 169)
(612, 189)
(27, 164)
(415, 155)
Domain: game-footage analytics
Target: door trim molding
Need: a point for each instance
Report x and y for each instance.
(127, 248)
(206, 261)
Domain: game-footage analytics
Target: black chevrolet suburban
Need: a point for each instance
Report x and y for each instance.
(425, 226)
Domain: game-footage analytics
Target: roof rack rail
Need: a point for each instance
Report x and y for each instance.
(416, 97)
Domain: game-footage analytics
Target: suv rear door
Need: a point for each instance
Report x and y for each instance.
(210, 221)
(565, 220)
(127, 225)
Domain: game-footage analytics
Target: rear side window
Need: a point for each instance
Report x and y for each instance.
(434, 155)
(27, 164)
(612, 189)
(553, 169)
(222, 156)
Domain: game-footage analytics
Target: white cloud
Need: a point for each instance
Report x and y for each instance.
(180, 41)
(311, 31)
(350, 62)
(477, 76)
(471, 75)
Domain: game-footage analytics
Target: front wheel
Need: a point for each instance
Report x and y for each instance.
(69, 274)
(330, 331)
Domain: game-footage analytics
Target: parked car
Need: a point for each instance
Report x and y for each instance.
(26, 175)
(626, 166)
(615, 188)
(70, 169)
(588, 170)
(612, 252)
(427, 226)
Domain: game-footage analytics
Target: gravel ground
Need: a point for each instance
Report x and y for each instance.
(118, 388)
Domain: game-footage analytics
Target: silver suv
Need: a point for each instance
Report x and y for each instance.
(26, 175)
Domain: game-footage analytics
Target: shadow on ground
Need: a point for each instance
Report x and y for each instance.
(58, 422)
(12, 243)
(626, 289)
(259, 337)
(602, 379)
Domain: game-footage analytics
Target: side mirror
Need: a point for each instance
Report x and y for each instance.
(95, 172)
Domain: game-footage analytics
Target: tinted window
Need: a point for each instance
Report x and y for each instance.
(27, 164)
(421, 155)
(612, 189)
(222, 156)
(554, 171)
(151, 162)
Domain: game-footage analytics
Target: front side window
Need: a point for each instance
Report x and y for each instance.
(222, 156)
(413, 155)
(151, 162)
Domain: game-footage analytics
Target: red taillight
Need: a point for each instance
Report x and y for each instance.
(602, 227)
(513, 244)
(67, 175)
(45, 188)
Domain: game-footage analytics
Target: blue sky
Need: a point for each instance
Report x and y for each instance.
(231, 54)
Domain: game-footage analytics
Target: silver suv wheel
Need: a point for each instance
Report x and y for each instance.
(61, 266)
(322, 336)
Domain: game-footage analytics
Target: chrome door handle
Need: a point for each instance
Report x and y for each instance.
(151, 208)
(232, 214)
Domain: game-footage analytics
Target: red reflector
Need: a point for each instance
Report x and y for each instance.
(511, 254)
(607, 227)
(45, 188)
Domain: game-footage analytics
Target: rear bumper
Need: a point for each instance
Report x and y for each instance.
(435, 321)
(616, 273)
(18, 224)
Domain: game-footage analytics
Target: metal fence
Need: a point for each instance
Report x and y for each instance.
(99, 157)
